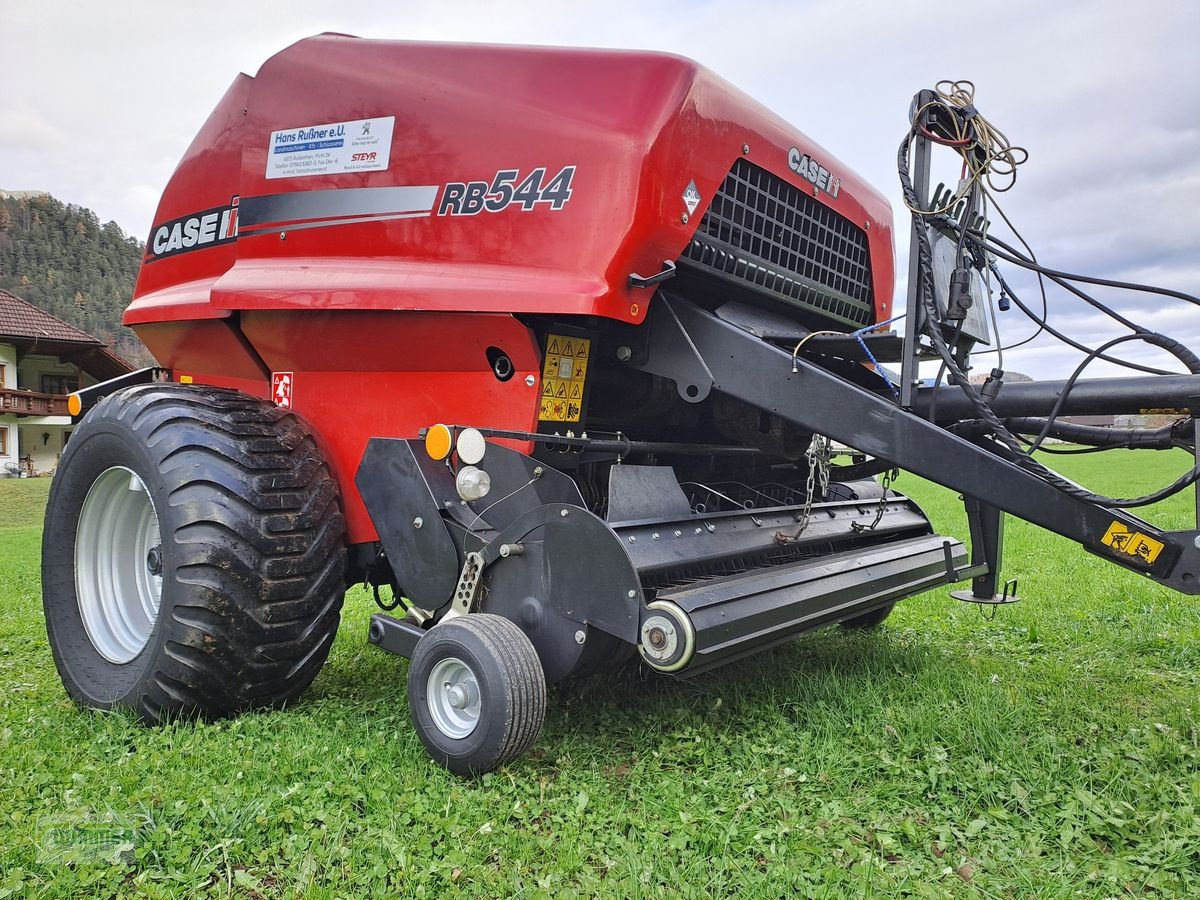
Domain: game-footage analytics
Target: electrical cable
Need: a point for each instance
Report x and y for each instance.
(990, 244)
(1042, 321)
(961, 95)
(1078, 451)
(479, 515)
(937, 382)
(998, 247)
(1169, 344)
(1071, 342)
(991, 300)
(925, 292)
(986, 152)
(1016, 258)
(1041, 283)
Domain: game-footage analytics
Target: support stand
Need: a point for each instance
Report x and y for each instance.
(987, 550)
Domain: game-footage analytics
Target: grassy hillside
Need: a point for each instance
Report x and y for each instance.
(1053, 751)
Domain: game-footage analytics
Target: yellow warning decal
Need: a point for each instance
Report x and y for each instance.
(1120, 539)
(564, 374)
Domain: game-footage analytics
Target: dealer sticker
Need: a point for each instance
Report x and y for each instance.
(331, 148)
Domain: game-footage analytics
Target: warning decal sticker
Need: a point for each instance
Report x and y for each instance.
(563, 376)
(281, 389)
(1120, 539)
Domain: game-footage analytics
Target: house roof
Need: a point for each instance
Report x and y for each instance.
(22, 320)
(34, 330)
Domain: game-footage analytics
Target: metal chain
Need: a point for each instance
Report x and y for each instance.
(817, 456)
(888, 477)
(823, 458)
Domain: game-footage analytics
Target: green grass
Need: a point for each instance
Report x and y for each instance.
(1053, 751)
(22, 502)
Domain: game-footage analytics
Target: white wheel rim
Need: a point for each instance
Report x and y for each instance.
(117, 590)
(452, 695)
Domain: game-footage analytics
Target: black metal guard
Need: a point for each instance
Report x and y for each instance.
(700, 352)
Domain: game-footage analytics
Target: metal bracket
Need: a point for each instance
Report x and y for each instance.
(915, 325)
(1009, 595)
(759, 373)
(673, 354)
(649, 281)
(399, 636)
(467, 590)
(90, 396)
(955, 574)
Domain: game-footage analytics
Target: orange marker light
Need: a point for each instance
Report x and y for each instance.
(74, 404)
(438, 441)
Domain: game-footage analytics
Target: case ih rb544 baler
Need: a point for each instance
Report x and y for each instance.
(641, 307)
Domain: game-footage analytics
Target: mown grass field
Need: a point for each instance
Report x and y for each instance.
(1051, 752)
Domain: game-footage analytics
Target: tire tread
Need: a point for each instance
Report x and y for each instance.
(521, 690)
(259, 549)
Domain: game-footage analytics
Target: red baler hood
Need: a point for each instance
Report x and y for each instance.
(624, 134)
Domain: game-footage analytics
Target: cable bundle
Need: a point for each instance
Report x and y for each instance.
(990, 164)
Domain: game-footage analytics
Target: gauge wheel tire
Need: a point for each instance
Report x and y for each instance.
(193, 555)
(869, 620)
(476, 692)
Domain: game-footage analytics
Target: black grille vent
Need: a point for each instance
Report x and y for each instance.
(763, 232)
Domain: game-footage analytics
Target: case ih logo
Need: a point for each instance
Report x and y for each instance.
(803, 164)
(194, 231)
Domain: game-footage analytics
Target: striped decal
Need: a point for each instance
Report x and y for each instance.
(337, 206)
(295, 211)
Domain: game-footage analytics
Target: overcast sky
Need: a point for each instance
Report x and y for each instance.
(99, 100)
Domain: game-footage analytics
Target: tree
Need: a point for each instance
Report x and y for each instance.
(60, 258)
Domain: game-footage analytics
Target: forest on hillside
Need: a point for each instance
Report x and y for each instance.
(59, 257)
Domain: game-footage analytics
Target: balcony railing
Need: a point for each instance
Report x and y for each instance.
(32, 403)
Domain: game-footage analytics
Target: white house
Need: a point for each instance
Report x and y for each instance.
(42, 360)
